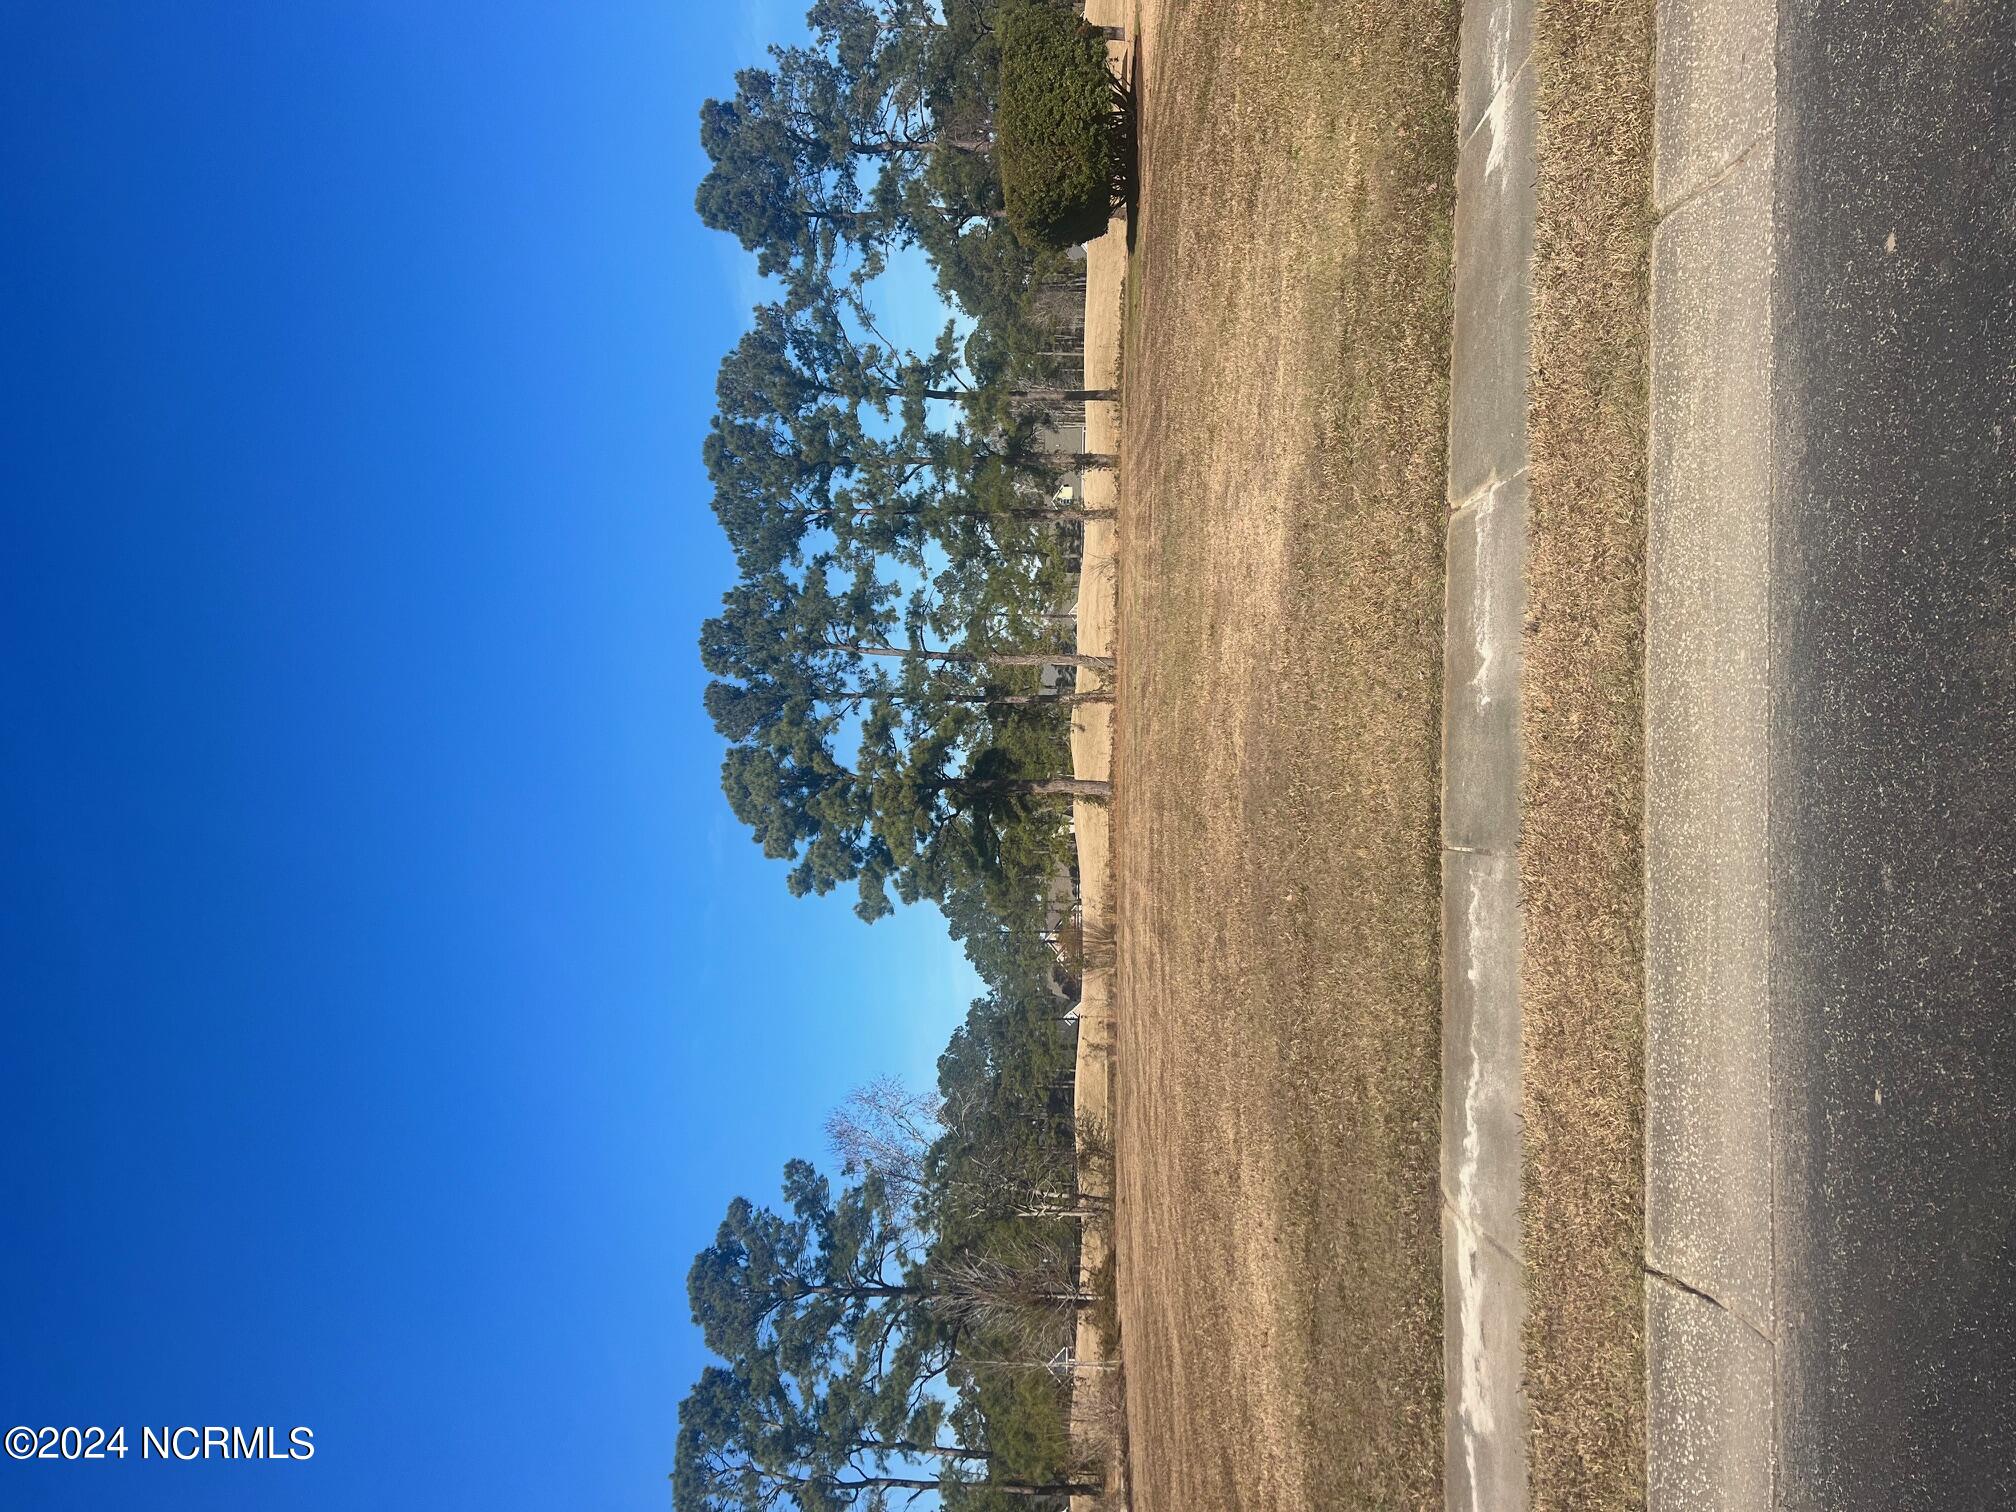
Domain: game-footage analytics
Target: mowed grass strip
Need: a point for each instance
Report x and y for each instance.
(1581, 853)
(1278, 754)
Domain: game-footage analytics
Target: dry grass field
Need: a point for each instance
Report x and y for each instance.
(1582, 862)
(1277, 753)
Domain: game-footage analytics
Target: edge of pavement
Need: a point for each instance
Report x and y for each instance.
(1709, 1305)
(1831, 725)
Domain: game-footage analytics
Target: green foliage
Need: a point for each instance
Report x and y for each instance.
(897, 548)
(814, 158)
(943, 784)
(1059, 134)
(1024, 1418)
(886, 506)
(838, 1330)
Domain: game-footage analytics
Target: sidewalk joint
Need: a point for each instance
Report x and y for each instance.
(1485, 489)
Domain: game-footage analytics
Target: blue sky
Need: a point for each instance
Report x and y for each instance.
(391, 1003)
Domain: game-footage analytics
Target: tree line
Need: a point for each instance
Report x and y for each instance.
(891, 1333)
(888, 670)
(894, 675)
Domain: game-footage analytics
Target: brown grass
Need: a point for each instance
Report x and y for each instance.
(1277, 761)
(1581, 862)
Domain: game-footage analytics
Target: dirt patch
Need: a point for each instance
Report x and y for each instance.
(1277, 754)
(1582, 984)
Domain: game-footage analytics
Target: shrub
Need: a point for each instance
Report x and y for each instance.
(1059, 132)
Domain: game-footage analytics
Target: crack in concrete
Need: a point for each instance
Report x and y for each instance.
(1483, 1235)
(1709, 186)
(1710, 1298)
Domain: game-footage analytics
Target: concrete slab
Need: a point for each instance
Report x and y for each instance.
(1708, 1065)
(1709, 1198)
(1709, 1433)
(1485, 1444)
(1496, 37)
(1716, 90)
(1481, 1147)
(1494, 259)
(1485, 616)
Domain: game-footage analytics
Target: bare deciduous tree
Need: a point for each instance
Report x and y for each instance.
(887, 1128)
(1030, 1297)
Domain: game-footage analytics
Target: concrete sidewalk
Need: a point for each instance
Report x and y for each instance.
(1831, 736)
(1485, 1418)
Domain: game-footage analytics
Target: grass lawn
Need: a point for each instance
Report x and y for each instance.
(1278, 755)
(1582, 862)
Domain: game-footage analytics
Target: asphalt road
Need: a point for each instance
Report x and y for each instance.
(1892, 747)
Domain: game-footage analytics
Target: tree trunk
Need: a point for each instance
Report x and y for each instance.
(1077, 516)
(1045, 659)
(916, 1483)
(1073, 516)
(1068, 700)
(1091, 788)
(1050, 395)
(1059, 1488)
(1003, 659)
(967, 395)
(993, 701)
(927, 1451)
(878, 1290)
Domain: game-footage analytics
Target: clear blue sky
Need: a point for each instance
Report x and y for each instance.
(391, 1002)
